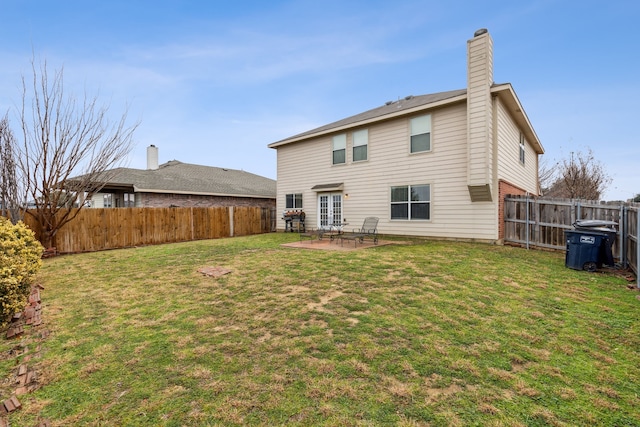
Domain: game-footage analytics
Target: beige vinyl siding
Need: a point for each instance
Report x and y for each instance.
(97, 200)
(509, 167)
(306, 164)
(480, 120)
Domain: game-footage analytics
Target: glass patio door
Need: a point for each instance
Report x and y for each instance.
(330, 209)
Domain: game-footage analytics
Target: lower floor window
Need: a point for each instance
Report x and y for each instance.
(129, 200)
(411, 202)
(108, 200)
(293, 201)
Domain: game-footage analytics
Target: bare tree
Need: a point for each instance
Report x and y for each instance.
(546, 174)
(10, 201)
(63, 138)
(580, 176)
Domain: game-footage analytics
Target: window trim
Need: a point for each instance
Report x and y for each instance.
(412, 134)
(410, 202)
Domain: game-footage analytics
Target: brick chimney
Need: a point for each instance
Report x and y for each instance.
(152, 157)
(480, 116)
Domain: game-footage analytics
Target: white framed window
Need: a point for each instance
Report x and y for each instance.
(107, 200)
(129, 200)
(293, 201)
(421, 134)
(360, 144)
(340, 149)
(521, 148)
(411, 202)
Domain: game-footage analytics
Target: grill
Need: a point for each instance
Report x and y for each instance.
(294, 221)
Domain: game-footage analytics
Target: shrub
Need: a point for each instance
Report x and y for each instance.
(20, 260)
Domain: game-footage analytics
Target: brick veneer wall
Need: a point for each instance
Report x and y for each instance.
(153, 200)
(505, 189)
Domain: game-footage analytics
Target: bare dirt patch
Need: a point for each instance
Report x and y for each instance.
(324, 300)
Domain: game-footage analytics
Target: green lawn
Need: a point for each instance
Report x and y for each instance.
(429, 333)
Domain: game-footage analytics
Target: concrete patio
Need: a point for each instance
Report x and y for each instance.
(338, 245)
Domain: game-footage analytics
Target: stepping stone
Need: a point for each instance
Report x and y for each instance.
(214, 271)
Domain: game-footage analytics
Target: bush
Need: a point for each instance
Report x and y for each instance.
(20, 260)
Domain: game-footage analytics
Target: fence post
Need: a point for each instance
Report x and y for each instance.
(638, 248)
(623, 236)
(526, 225)
(536, 220)
(191, 222)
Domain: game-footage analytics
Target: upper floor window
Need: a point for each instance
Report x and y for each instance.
(293, 201)
(421, 134)
(339, 149)
(411, 202)
(521, 148)
(360, 144)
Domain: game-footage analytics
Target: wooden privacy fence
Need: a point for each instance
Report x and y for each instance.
(112, 228)
(542, 222)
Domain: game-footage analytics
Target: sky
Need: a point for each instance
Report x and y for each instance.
(214, 82)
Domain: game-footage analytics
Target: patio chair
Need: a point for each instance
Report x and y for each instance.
(369, 230)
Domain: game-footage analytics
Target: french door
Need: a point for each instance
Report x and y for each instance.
(330, 209)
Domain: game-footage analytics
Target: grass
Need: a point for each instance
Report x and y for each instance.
(426, 334)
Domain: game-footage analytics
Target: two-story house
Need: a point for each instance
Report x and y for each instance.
(433, 165)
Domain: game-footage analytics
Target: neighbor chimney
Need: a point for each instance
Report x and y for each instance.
(480, 116)
(152, 157)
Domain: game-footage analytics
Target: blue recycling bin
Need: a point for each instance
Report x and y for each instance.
(586, 250)
(604, 227)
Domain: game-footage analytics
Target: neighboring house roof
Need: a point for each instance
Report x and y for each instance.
(413, 104)
(184, 178)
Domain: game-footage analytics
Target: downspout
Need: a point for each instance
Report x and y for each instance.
(494, 162)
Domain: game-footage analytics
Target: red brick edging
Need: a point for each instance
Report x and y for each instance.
(26, 378)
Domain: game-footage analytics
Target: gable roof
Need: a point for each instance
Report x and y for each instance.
(184, 178)
(413, 104)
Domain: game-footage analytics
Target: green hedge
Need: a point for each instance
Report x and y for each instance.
(20, 260)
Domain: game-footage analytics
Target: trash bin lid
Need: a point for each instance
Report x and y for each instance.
(592, 223)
